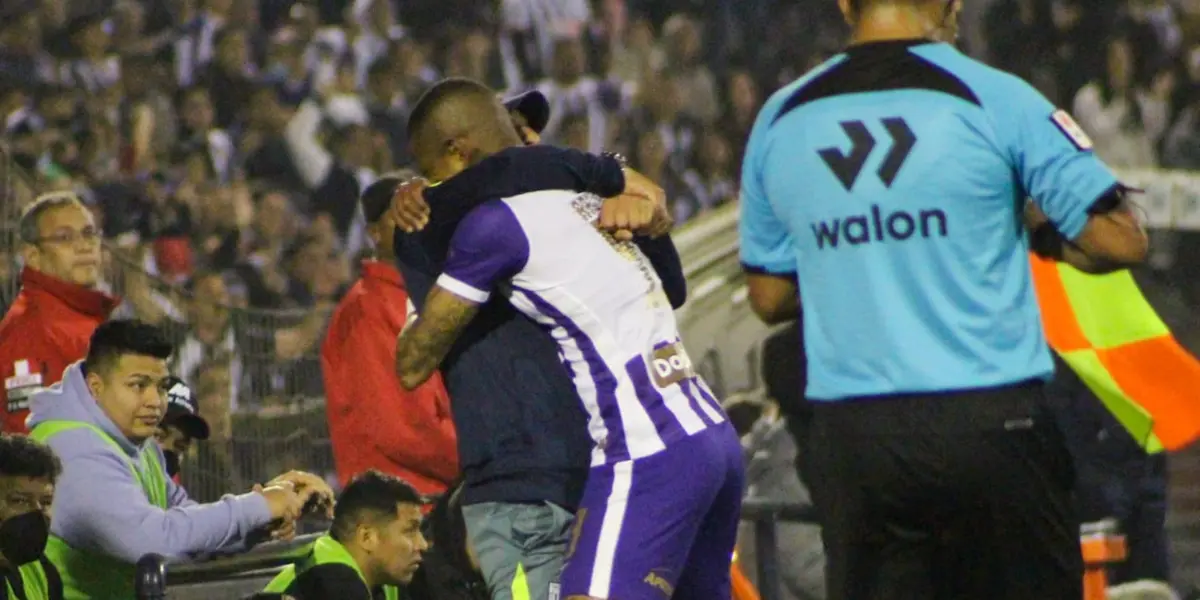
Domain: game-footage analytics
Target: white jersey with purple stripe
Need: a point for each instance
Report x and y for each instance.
(601, 300)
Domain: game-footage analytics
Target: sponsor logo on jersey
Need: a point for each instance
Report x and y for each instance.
(1066, 123)
(670, 364)
(880, 227)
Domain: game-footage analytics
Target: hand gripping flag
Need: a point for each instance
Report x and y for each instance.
(1108, 333)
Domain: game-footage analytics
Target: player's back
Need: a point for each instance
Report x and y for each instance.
(900, 170)
(602, 301)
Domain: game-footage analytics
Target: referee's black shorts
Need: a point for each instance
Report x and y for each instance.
(956, 496)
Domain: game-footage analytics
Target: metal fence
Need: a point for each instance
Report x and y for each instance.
(278, 419)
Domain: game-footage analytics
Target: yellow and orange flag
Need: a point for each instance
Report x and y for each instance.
(1104, 328)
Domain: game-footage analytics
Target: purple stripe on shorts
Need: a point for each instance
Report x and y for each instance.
(665, 423)
(690, 390)
(703, 389)
(605, 381)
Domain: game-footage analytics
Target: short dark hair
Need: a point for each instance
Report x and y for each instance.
(27, 226)
(376, 199)
(22, 456)
(371, 495)
(115, 339)
(440, 107)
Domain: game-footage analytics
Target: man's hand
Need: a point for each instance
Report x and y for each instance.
(637, 184)
(409, 211)
(283, 501)
(641, 209)
(629, 214)
(307, 486)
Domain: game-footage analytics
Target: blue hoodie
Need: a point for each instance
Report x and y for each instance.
(100, 507)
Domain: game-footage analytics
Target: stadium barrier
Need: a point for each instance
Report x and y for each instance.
(236, 576)
(279, 420)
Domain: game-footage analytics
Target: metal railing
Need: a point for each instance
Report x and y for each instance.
(158, 578)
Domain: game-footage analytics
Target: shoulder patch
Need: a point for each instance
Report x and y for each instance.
(23, 384)
(1067, 125)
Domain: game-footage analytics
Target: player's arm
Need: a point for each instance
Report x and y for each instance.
(664, 258)
(1090, 222)
(489, 247)
(634, 201)
(768, 255)
(425, 342)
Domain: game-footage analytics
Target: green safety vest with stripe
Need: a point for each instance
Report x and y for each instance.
(325, 551)
(37, 580)
(87, 575)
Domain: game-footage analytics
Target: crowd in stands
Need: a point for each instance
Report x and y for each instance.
(221, 143)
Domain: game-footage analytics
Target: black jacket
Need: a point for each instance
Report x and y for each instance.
(522, 434)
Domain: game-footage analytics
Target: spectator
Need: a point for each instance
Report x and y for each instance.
(115, 502)
(90, 65)
(229, 77)
(180, 427)
(1110, 110)
(770, 455)
(48, 326)
(373, 422)
(710, 184)
(529, 29)
(684, 64)
(742, 104)
(28, 471)
(574, 94)
(450, 570)
(374, 545)
(21, 54)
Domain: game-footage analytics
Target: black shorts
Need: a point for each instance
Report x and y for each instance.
(955, 496)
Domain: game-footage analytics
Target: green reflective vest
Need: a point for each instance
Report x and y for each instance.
(37, 580)
(325, 551)
(86, 575)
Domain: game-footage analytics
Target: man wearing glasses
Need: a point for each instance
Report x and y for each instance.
(49, 324)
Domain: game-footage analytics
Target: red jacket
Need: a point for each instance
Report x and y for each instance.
(373, 422)
(46, 329)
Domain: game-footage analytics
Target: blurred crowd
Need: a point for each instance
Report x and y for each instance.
(221, 144)
(1129, 70)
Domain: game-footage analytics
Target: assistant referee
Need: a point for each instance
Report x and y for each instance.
(889, 185)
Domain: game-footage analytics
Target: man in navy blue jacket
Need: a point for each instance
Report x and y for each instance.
(523, 444)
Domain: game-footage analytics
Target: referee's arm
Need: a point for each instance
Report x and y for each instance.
(768, 254)
(1081, 213)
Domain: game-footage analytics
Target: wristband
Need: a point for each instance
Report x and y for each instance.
(1047, 242)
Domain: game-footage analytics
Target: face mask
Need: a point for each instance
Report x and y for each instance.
(23, 537)
(171, 462)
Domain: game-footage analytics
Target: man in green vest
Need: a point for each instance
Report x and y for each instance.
(374, 545)
(114, 501)
(28, 471)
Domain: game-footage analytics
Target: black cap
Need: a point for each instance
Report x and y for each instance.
(182, 411)
(533, 106)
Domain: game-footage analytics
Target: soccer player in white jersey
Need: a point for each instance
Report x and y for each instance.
(660, 511)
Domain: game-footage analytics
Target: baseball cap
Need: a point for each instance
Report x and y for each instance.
(533, 106)
(182, 411)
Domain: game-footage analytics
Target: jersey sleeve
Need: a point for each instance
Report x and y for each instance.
(1053, 158)
(489, 247)
(766, 244)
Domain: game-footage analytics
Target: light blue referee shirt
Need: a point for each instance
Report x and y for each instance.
(891, 181)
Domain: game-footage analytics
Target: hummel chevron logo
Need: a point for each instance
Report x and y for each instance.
(847, 167)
